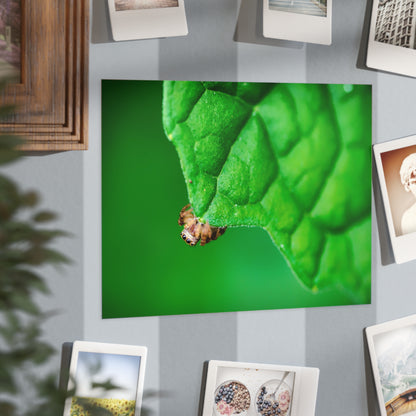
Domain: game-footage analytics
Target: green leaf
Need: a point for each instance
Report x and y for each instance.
(294, 159)
(44, 216)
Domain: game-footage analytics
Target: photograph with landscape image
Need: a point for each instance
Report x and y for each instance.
(310, 7)
(147, 19)
(392, 347)
(122, 5)
(106, 376)
(10, 38)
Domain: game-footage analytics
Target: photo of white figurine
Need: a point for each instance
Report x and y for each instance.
(122, 5)
(396, 168)
(396, 23)
(310, 7)
(408, 179)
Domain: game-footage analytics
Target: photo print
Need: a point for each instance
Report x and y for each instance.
(234, 388)
(10, 39)
(146, 19)
(392, 348)
(307, 21)
(106, 376)
(392, 38)
(396, 166)
(122, 5)
(245, 205)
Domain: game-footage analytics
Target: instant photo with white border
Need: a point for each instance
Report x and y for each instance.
(392, 349)
(385, 43)
(95, 362)
(140, 20)
(296, 387)
(396, 168)
(298, 20)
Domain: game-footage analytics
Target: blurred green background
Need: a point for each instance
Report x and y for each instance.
(146, 268)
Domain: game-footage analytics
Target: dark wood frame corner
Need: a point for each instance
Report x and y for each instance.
(51, 101)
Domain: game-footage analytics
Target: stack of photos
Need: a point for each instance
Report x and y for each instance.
(106, 377)
(298, 20)
(145, 19)
(234, 388)
(392, 348)
(396, 166)
(392, 39)
(10, 39)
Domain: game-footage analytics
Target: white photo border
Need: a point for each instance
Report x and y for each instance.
(373, 331)
(297, 27)
(386, 57)
(148, 23)
(105, 348)
(304, 392)
(403, 245)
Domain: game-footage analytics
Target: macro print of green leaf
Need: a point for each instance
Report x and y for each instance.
(285, 167)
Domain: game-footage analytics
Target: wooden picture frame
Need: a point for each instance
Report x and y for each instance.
(51, 101)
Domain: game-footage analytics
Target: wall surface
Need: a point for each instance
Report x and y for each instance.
(328, 338)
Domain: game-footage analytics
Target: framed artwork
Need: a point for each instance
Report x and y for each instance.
(49, 96)
(392, 348)
(234, 388)
(144, 19)
(10, 39)
(223, 196)
(106, 376)
(391, 43)
(298, 20)
(396, 168)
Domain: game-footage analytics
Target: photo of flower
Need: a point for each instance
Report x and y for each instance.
(106, 381)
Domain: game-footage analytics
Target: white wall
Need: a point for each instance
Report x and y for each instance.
(329, 338)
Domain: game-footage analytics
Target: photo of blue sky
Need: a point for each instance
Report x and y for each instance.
(121, 370)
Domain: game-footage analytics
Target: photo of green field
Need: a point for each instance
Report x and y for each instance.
(85, 406)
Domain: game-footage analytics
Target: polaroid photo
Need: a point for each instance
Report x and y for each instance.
(396, 168)
(108, 376)
(146, 19)
(392, 40)
(298, 20)
(245, 389)
(392, 349)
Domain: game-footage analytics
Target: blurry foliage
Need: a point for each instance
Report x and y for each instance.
(25, 248)
(25, 240)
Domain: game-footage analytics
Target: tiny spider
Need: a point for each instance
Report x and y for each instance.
(194, 230)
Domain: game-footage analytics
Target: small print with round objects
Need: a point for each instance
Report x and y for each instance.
(245, 389)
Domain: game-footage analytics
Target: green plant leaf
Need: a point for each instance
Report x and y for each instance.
(44, 216)
(294, 159)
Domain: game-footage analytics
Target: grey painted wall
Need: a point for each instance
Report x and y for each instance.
(329, 338)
